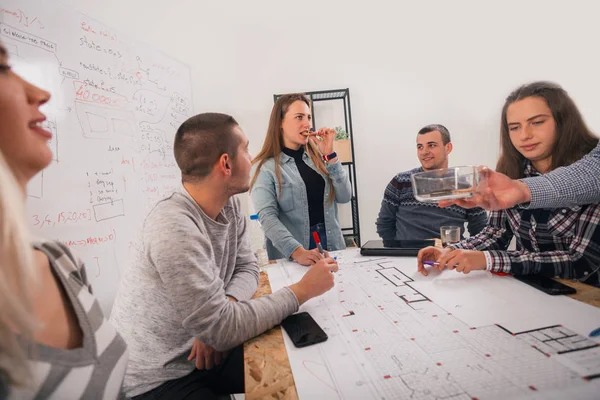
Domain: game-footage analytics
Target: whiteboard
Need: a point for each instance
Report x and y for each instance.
(115, 108)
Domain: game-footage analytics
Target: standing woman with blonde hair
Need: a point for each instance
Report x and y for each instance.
(54, 339)
(298, 183)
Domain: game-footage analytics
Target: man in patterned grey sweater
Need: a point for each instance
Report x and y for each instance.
(402, 217)
(191, 281)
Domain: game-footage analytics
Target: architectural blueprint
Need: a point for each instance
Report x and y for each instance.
(390, 339)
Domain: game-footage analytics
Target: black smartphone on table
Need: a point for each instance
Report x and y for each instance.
(303, 330)
(546, 284)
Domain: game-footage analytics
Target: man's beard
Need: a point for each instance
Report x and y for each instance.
(239, 186)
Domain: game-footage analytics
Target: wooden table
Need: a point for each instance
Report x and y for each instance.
(267, 370)
(585, 293)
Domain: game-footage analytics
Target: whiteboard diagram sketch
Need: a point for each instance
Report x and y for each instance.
(116, 104)
(389, 340)
(104, 123)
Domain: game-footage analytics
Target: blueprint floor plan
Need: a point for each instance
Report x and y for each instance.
(389, 340)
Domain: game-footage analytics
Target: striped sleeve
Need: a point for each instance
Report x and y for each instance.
(74, 266)
(94, 370)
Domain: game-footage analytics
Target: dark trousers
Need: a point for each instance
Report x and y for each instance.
(223, 379)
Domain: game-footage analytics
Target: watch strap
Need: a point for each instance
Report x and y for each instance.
(330, 156)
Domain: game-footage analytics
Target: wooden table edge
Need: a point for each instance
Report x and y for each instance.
(267, 369)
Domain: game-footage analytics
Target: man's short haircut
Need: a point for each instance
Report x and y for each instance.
(201, 141)
(437, 127)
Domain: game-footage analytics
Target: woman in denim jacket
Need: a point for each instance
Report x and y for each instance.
(297, 184)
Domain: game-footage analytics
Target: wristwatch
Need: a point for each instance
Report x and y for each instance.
(330, 156)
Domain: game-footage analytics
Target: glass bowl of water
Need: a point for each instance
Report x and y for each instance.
(445, 184)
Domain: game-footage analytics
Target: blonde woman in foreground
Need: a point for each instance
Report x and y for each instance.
(54, 340)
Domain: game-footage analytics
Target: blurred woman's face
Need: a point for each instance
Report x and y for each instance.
(23, 141)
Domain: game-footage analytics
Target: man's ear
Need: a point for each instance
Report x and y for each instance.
(224, 164)
(449, 148)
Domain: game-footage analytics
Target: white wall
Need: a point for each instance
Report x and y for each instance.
(407, 64)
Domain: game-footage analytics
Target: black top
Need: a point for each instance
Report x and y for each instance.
(315, 186)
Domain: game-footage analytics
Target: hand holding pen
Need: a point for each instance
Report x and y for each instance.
(318, 242)
(461, 260)
(435, 264)
(309, 257)
(428, 254)
(306, 257)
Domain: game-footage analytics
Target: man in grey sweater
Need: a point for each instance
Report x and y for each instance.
(191, 281)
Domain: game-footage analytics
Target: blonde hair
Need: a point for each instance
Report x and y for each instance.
(17, 276)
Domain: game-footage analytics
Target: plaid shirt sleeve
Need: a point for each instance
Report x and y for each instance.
(568, 264)
(495, 235)
(577, 184)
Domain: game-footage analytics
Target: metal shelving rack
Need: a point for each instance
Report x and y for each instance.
(351, 234)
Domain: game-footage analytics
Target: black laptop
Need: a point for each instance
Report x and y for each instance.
(407, 248)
